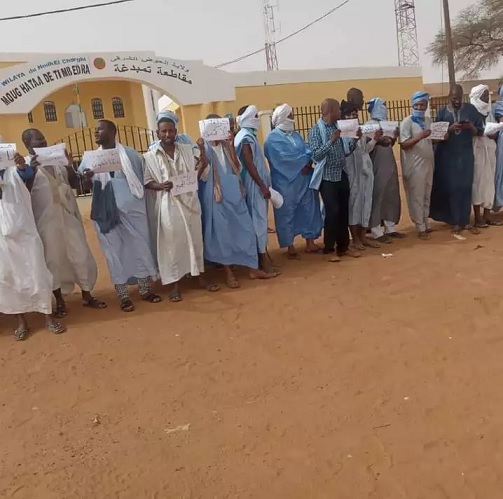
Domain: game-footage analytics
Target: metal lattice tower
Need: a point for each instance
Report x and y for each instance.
(406, 33)
(270, 36)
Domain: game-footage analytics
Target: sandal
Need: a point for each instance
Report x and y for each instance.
(60, 312)
(475, 230)
(481, 225)
(175, 296)
(494, 223)
(151, 298)
(56, 327)
(212, 287)
(233, 283)
(21, 333)
(369, 243)
(95, 303)
(127, 305)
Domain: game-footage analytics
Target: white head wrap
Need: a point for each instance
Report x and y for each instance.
(249, 118)
(281, 120)
(482, 107)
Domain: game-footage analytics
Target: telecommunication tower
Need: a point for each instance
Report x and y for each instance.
(270, 35)
(406, 33)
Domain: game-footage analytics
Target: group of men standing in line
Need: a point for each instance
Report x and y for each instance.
(146, 232)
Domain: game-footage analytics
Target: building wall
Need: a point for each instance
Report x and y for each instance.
(266, 97)
(11, 127)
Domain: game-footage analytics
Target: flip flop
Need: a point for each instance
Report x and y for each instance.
(127, 305)
(175, 296)
(21, 333)
(233, 283)
(56, 328)
(151, 298)
(95, 303)
(212, 287)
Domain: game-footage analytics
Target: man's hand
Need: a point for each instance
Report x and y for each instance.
(88, 174)
(265, 192)
(335, 136)
(359, 133)
(378, 135)
(425, 134)
(456, 127)
(200, 144)
(69, 156)
(20, 161)
(167, 186)
(34, 162)
(396, 133)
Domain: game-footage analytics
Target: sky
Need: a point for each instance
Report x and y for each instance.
(362, 33)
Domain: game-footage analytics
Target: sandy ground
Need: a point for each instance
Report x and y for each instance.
(373, 378)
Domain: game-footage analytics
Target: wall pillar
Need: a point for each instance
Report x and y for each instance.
(151, 107)
(265, 123)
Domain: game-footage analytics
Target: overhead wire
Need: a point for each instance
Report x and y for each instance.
(62, 11)
(284, 39)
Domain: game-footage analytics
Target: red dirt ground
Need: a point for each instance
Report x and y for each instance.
(373, 378)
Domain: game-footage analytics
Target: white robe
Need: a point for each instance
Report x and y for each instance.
(25, 281)
(484, 172)
(60, 227)
(178, 238)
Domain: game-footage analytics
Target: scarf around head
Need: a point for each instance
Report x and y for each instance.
(169, 115)
(280, 118)
(248, 118)
(377, 109)
(419, 115)
(475, 99)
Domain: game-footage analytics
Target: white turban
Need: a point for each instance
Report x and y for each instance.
(249, 118)
(281, 114)
(482, 107)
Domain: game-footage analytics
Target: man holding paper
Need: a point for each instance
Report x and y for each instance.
(228, 234)
(484, 150)
(328, 152)
(291, 172)
(120, 218)
(418, 163)
(256, 179)
(386, 203)
(451, 195)
(177, 215)
(59, 222)
(25, 282)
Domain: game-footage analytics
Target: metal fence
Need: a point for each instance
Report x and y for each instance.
(307, 116)
(78, 142)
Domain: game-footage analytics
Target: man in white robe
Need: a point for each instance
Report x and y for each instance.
(120, 219)
(25, 280)
(484, 172)
(179, 238)
(59, 224)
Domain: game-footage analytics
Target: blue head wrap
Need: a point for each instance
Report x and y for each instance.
(169, 115)
(418, 115)
(498, 109)
(377, 109)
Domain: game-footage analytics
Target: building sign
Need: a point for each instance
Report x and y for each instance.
(23, 86)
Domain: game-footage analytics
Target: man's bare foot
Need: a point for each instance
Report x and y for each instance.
(292, 253)
(260, 274)
(231, 279)
(312, 247)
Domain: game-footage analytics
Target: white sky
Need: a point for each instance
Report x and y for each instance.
(361, 33)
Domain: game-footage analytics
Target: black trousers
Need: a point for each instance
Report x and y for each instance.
(335, 197)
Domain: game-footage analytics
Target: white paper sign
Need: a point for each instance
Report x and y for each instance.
(492, 128)
(348, 128)
(369, 129)
(389, 128)
(215, 129)
(103, 160)
(439, 130)
(52, 156)
(186, 182)
(7, 153)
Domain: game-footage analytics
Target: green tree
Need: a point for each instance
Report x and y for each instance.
(477, 37)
